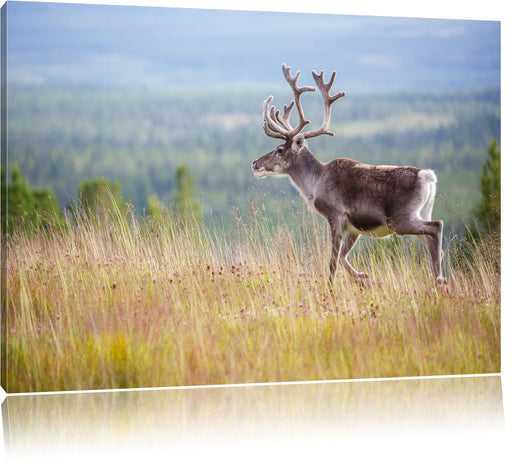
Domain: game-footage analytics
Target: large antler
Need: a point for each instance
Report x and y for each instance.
(325, 88)
(278, 126)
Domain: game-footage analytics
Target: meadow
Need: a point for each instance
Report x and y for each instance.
(116, 303)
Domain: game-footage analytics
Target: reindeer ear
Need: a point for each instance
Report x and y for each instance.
(298, 143)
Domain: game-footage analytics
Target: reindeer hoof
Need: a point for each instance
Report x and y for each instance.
(442, 283)
(363, 280)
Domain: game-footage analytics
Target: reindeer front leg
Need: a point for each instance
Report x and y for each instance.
(335, 251)
(340, 252)
(348, 244)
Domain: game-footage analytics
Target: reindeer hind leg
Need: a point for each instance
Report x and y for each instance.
(433, 245)
(431, 234)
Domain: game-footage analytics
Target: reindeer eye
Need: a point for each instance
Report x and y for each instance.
(280, 151)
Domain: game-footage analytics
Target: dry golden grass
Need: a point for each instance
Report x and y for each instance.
(122, 304)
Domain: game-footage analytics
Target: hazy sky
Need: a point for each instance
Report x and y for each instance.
(144, 47)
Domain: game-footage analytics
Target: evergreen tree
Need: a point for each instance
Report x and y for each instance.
(485, 229)
(186, 192)
(488, 211)
(155, 209)
(185, 212)
(28, 208)
(98, 198)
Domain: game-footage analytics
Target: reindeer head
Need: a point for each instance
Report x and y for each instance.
(279, 161)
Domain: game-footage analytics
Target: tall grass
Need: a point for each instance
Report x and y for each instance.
(116, 303)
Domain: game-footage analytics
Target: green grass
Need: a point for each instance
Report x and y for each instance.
(113, 305)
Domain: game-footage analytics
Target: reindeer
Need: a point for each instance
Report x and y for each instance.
(355, 198)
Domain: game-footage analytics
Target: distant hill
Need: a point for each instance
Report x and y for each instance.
(62, 136)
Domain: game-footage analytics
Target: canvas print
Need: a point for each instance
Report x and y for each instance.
(200, 197)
